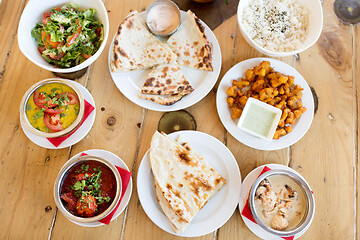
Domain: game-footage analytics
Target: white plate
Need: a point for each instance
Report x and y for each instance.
(220, 207)
(299, 128)
(246, 186)
(114, 159)
(77, 136)
(130, 83)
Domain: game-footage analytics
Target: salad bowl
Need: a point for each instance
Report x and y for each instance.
(33, 13)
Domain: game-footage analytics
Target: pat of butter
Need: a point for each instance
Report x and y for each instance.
(259, 119)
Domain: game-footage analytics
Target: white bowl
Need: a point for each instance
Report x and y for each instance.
(33, 13)
(314, 31)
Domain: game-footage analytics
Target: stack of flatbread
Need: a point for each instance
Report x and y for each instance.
(184, 181)
(135, 48)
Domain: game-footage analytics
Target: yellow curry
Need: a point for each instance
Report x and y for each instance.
(52, 107)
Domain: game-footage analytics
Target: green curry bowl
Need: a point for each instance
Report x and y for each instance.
(52, 108)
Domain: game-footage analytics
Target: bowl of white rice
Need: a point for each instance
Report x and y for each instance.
(280, 28)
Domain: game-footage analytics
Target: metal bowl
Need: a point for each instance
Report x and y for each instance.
(172, 5)
(309, 198)
(29, 92)
(61, 177)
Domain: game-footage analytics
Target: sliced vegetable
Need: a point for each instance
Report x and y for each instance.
(53, 122)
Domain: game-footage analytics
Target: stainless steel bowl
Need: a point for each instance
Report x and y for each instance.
(172, 5)
(309, 198)
(61, 177)
(29, 92)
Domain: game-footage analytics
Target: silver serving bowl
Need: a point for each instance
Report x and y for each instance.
(309, 198)
(25, 121)
(170, 4)
(61, 177)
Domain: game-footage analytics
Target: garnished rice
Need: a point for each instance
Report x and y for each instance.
(276, 25)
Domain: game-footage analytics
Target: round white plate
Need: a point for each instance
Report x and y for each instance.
(114, 159)
(299, 128)
(78, 135)
(245, 189)
(220, 207)
(130, 83)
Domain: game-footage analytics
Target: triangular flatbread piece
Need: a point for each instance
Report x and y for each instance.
(166, 79)
(190, 44)
(184, 181)
(162, 99)
(136, 48)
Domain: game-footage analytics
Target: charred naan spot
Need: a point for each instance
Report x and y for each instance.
(186, 53)
(130, 24)
(217, 181)
(180, 212)
(172, 176)
(197, 21)
(211, 169)
(202, 51)
(200, 65)
(181, 185)
(165, 88)
(164, 71)
(152, 50)
(187, 62)
(131, 63)
(149, 82)
(168, 81)
(178, 54)
(197, 202)
(159, 92)
(162, 85)
(196, 43)
(116, 42)
(174, 69)
(116, 56)
(122, 52)
(168, 186)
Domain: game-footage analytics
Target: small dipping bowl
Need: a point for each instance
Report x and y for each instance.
(170, 6)
(25, 121)
(309, 201)
(62, 176)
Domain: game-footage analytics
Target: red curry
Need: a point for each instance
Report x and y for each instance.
(89, 189)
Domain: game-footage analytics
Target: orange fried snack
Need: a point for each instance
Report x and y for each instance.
(271, 87)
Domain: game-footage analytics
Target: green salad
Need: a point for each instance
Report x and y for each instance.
(68, 36)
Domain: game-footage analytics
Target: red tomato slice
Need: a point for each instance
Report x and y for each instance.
(47, 14)
(46, 40)
(41, 49)
(73, 99)
(71, 39)
(54, 111)
(86, 56)
(98, 31)
(39, 99)
(53, 122)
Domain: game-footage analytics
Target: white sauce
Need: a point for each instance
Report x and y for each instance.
(162, 19)
(265, 204)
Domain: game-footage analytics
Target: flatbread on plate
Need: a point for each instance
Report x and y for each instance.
(166, 79)
(190, 44)
(135, 48)
(162, 99)
(185, 182)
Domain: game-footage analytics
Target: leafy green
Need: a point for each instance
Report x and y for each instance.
(64, 26)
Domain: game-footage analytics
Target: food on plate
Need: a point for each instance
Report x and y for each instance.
(259, 119)
(280, 202)
(89, 188)
(184, 181)
(167, 82)
(52, 107)
(279, 26)
(271, 87)
(68, 36)
(135, 48)
(191, 45)
(163, 18)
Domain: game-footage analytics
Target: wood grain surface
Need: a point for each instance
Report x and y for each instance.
(327, 156)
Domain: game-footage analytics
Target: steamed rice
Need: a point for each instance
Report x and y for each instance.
(276, 25)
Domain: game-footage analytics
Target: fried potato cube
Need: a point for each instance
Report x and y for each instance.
(266, 93)
(265, 65)
(230, 101)
(250, 76)
(291, 80)
(241, 84)
(258, 85)
(278, 133)
(243, 100)
(236, 112)
(298, 112)
(290, 119)
(288, 129)
(231, 91)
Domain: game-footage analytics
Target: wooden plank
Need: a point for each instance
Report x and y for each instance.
(356, 79)
(325, 156)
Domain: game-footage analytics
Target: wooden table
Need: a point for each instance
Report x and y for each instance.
(327, 156)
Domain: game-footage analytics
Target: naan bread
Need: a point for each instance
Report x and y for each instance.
(166, 79)
(162, 99)
(184, 181)
(136, 48)
(190, 44)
